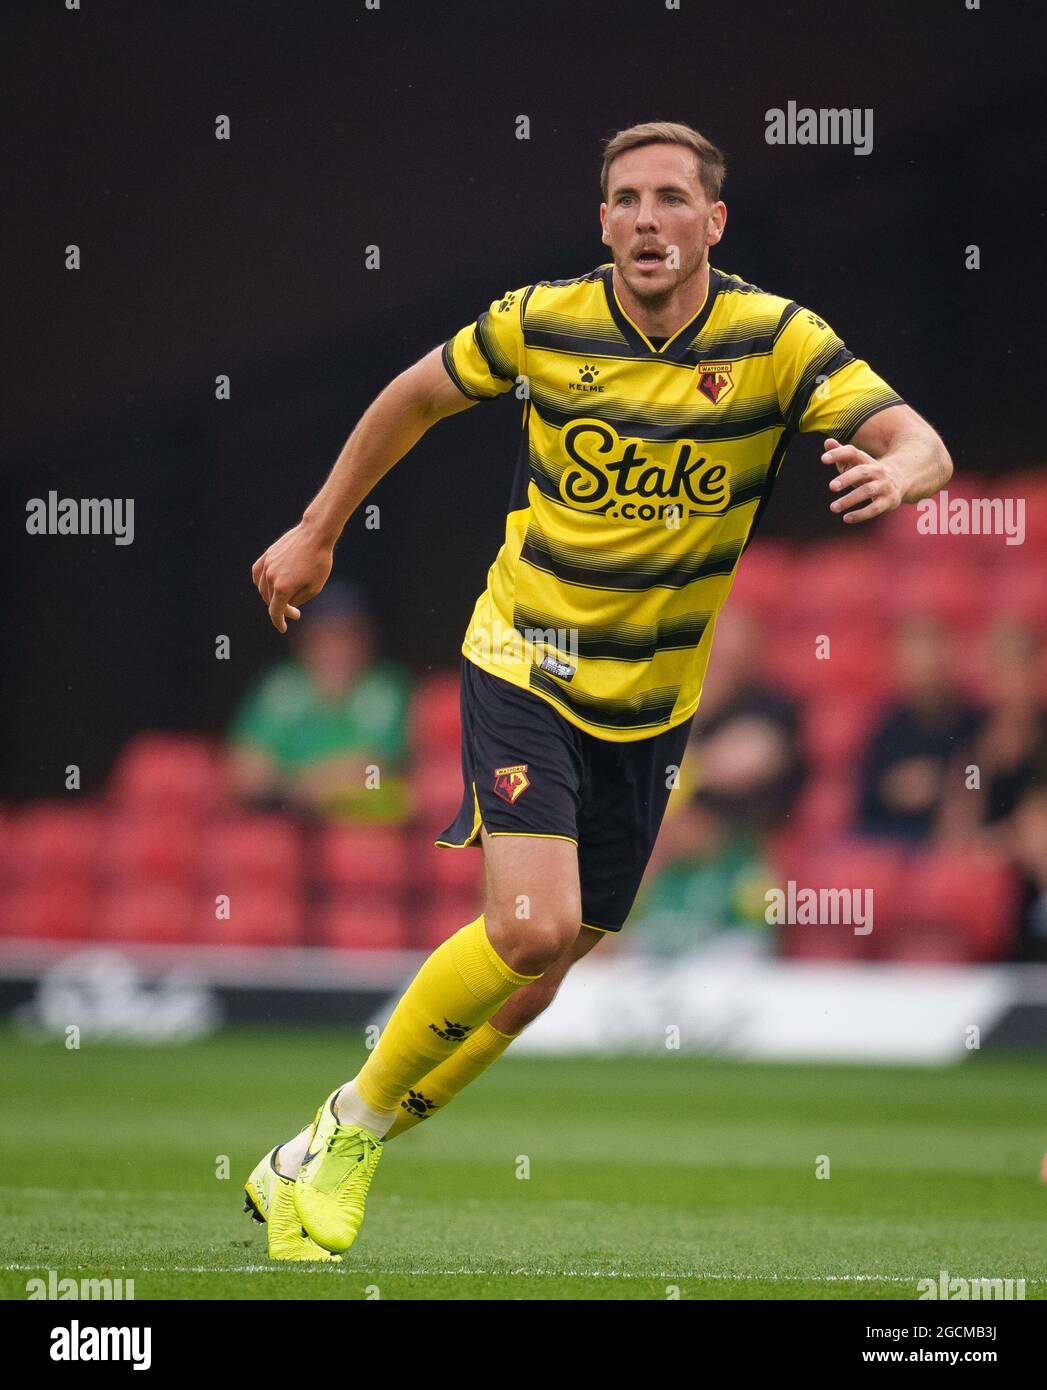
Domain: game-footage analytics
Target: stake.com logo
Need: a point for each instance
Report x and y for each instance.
(611, 475)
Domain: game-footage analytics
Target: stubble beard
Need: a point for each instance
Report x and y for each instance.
(658, 298)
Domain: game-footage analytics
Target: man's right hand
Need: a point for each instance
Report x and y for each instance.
(293, 570)
(297, 566)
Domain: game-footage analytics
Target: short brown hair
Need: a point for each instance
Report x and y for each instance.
(711, 164)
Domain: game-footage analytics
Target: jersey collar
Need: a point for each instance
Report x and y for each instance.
(676, 348)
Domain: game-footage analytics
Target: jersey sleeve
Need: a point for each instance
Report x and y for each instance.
(484, 358)
(822, 387)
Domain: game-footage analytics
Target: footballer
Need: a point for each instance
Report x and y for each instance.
(659, 397)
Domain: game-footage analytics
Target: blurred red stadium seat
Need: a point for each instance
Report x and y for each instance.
(950, 587)
(836, 732)
(361, 857)
(436, 788)
(844, 579)
(849, 863)
(958, 904)
(159, 912)
(257, 917)
(434, 717)
(872, 868)
(375, 923)
(449, 870)
(764, 574)
(922, 943)
(1017, 588)
(446, 913)
(62, 910)
(151, 849)
(264, 850)
(857, 664)
(169, 772)
(825, 809)
(55, 841)
(805, 941)
(1031, 488)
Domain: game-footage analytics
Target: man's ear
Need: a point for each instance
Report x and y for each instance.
(603, 225)
(716, 232)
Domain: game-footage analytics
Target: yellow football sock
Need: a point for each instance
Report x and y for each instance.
(462, 985)
(443, 1083)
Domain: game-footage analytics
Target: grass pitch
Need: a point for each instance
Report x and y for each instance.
(646, 1175)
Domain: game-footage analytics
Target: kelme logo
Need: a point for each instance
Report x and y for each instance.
(638, 479)
(587, 375)
(452, 1032)
(415, 1103)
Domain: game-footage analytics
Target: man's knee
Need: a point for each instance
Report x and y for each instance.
(533, 904)
(537, 939)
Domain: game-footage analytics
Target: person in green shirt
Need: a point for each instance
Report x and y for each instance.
(326, 732)
(710, 880)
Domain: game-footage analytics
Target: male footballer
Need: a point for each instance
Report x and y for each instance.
(660, 395)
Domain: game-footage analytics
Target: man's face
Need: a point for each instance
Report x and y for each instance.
(335, 651)
(924, 661)
(657, 220)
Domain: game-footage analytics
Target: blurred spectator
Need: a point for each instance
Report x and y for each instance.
(906, 763)
(1009, 747)
(1012, 736)
(707, 878)
(1007, 809)
(744, 749)
(1030, 852)
(308, 733)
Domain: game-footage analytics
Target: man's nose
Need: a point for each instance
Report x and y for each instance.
(647, 214)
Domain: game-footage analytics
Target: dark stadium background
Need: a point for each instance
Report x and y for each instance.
(396, 127)
(912, 1056)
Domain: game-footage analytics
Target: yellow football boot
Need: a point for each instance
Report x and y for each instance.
(336, 1172)
(270, 1199)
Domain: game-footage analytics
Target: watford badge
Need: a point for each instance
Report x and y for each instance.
(511, 782)
(715, 380)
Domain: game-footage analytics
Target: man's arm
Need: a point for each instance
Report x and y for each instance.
(296, 567)
(895, 457)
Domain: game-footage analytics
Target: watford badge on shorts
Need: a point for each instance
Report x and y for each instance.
(715, 380)
(511, 782)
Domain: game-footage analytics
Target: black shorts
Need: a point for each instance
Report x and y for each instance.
(528, 771)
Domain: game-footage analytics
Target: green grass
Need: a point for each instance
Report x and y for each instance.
(645, 1173)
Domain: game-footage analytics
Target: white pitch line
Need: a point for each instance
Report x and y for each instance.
(123, 1195)
(304, 1268)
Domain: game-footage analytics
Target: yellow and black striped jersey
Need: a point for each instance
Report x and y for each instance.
(642, 472)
